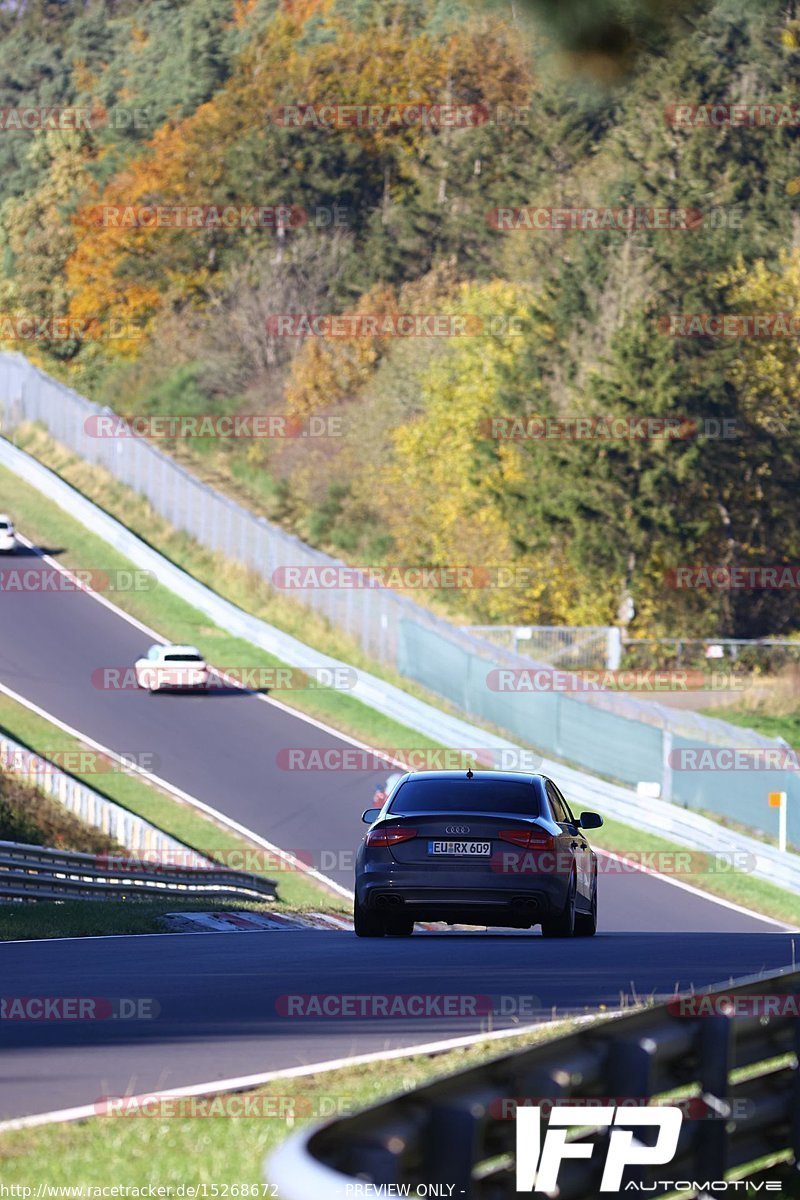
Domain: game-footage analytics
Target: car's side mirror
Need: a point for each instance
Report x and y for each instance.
(590, 820)
(370, 816)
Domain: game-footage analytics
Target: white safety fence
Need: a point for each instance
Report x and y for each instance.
(93, 809)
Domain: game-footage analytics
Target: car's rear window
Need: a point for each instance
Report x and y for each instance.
(182, 658)
(4, 525)
(466, 795)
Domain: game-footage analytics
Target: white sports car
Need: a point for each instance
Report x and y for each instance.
(8, 539)
(180, 667)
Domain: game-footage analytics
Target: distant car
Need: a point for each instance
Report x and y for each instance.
(382, 793)
(172, 667)
(8, 537)
(476, 848)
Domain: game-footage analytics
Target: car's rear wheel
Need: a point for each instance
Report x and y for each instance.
(586, 923)
(563, 925)
(400, 926)
(366, 923)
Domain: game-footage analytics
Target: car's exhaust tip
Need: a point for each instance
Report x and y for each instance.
(389, 902)
(525, 904)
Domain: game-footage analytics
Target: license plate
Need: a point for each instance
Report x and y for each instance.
(460, 849)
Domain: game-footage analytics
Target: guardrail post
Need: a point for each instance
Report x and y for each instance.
(449, 1145)
(666, 764)
(716, 1041)
(613, 648)
(794, 1118)
(630, 1071)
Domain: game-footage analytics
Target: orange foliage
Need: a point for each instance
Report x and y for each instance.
(241, 12)
(329, 370)
(301, 10)
(128, 272)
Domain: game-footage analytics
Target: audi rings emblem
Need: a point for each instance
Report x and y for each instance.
(457, 829)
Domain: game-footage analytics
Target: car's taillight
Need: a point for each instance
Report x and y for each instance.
(528, 839)
(390, 837)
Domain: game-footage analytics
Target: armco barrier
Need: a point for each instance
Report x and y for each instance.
(626, 738)
(460, 1133)
(660, 817)
(38, 873)
(125, 827)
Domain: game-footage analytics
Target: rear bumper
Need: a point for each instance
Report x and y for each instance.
(515, 901)
(155, 682)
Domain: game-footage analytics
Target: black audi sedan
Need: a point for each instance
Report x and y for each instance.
(476, 848)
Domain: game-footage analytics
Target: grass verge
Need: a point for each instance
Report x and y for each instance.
(786, 726)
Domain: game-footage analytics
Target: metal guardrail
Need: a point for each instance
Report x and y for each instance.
(38, 873)
(736, 1079)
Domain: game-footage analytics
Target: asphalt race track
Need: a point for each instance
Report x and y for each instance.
(220, 1013)
(221, 747)
(217, 993)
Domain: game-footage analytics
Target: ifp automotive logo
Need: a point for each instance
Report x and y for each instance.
(538, 1163)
